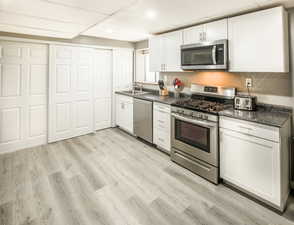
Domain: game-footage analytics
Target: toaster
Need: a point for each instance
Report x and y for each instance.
(245, 103)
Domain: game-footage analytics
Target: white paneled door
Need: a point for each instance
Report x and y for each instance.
(71, 92)
(102, 88)
(122, 69)
(23, 95)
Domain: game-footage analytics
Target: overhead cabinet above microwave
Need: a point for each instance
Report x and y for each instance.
(257, 42)
(209, 32)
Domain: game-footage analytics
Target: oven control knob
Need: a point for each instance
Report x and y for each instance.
(205, 117)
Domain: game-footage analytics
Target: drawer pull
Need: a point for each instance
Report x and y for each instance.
(160, 121)
(161, 111)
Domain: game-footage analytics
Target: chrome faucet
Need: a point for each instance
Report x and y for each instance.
(135, 85)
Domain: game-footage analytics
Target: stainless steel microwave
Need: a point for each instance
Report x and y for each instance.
(205, 55)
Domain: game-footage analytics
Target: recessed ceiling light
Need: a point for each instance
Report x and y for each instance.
(110, 31)
(150, 14)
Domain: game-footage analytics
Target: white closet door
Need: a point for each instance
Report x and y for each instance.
(23, 95)
(102, 88)
(122, 69)
(70, 96)
(83, 118)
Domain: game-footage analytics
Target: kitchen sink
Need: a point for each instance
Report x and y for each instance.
(135, 92)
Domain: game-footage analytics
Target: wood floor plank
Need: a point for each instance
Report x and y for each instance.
(6, 214)
(114, 205)
(67, 164)
(23, 211)
(44, 203)
(93, 208)
(48, 159)
(143, 213)
(168, 213)
(6, 186)
(65, 200)
(86, 168)
(111, 178)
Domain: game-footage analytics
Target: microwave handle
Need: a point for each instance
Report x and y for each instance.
(214, 54)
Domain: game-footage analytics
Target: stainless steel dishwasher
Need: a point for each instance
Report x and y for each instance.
(143, 119)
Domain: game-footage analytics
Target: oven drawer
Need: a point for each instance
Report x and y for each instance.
(250, 128)
(201, 168)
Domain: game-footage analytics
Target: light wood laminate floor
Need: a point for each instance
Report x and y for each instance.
(111, 178)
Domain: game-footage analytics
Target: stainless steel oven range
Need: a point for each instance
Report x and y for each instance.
(195, 131)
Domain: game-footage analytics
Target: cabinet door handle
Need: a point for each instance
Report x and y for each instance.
(161, 111)
(247, 128)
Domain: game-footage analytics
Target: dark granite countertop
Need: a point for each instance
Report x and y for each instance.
(153, 96)
(265, 114)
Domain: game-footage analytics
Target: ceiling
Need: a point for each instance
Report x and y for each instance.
(129, 20)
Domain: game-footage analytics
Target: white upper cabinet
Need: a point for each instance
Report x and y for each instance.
(155, 61)
(258, 42)
(165, 52)
(217, 30)
(193, 35)
(172, 51)
(207, 32)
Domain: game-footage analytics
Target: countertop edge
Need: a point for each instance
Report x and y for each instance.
(258, 122)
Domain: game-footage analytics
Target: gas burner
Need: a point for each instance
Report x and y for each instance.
(201, 105)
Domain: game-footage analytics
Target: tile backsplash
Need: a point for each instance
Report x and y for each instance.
(279, 84)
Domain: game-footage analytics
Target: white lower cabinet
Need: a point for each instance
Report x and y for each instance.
(254, 164)
(162, 126)
(124, 113)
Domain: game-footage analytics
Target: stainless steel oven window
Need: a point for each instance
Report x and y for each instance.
(193, 135)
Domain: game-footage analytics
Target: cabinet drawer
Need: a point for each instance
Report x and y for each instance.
(162, 139)
(254, 129)
(161, 119)
(161, 107)
(125, 99)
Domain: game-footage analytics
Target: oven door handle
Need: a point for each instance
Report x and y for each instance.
(196, 122)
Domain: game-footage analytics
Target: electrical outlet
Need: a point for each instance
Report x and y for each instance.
(248, 82)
